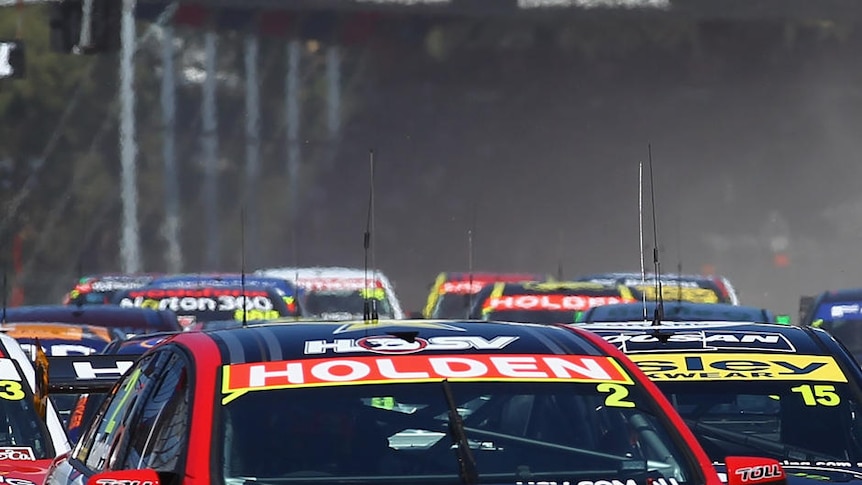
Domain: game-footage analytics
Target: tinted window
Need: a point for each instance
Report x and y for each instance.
(103, 438)
(159, 435)
(19, 423)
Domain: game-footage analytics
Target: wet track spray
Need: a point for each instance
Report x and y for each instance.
(535, 129)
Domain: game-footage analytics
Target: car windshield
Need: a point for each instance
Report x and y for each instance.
(784, 419)
(453, 305)
(20, 426)
(398, 433)
(533, 316)
(336, 305)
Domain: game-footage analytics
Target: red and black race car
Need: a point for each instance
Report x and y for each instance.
(424, 402)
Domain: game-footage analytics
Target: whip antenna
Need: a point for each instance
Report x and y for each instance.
(5, 296)
(641, 229)
(242, 266)
(369, 311)
(470, 257)
(658, 315)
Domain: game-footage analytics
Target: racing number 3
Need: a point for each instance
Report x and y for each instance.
(11, 390)
(821, 394)
(617, 395)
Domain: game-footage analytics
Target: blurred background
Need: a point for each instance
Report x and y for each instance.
(517, 125)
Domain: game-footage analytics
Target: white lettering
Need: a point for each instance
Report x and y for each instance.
(388, 370)
(85, 370)
(443, 367)
(518, 366)
(257, 374)
(561, 368)
(356, 370)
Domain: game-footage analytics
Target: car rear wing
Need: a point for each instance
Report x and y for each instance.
(80, 374)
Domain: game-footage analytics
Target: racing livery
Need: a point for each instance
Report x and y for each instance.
(196, 305)
(786, 392)
(100, 289)
(546, 302)
(32, 434)
(452, 294)
(678, 311)
(674, 287)
(334, 293)
(442, 402)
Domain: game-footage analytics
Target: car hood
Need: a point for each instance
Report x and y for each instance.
(23, 472)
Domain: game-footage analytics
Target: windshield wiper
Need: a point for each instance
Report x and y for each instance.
(466, 462)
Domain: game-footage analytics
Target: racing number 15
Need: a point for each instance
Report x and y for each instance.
(822, 394)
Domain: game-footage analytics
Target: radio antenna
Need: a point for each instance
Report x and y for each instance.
(370, 304)
(658, 315)
(560, 255)
(470, 257)
(242, 266)
(5, 296)
(641, 230)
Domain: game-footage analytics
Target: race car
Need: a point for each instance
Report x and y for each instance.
(230, 279)
(334, 293)
(839, 313)
(128, 321)
(195, 305)
(31, 434)
(678, 311)
(784, 392)
(674, 287)
(391, 402)
(548, 302)
(451, 294)
(99, 289)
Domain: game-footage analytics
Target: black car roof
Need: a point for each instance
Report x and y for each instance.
(849, 294)
(296, 340)
(711, 336)
(109, 316)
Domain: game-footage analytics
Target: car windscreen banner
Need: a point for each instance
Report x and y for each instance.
(209, 304)
(86, 373)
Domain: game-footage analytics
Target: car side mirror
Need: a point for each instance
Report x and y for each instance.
(752, 470)
(144, 476)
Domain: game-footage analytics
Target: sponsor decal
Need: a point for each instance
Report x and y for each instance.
(739, 366)
(390, 344)
(612, 481)
(674, 292)
(759, 472)
(86, 371)
(238, 379)
(17, 453)
(200, 300)
(462, 287)
(550, 302)
(337, 284)
(839, 310)
(122, 481)
(712, 340)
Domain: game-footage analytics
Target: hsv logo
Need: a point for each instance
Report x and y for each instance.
(390, 344)
(241, 378)
(551, 302)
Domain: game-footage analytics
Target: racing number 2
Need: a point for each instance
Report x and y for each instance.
(11, 391)
(819, 394)
(617, 395)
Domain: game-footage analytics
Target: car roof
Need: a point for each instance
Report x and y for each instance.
(301, 340)
(676, 310)
(711, 336)
(847, 294)
(110, 316)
